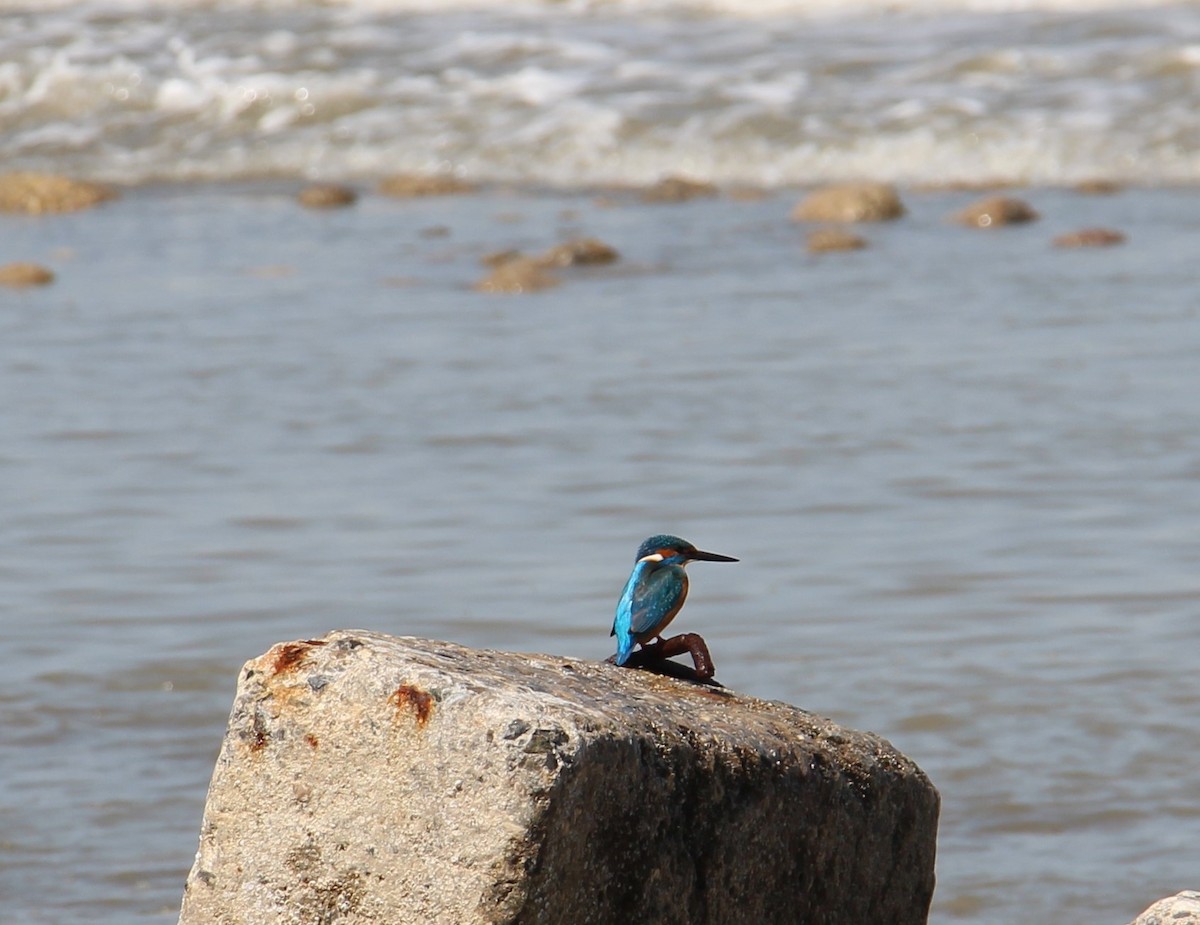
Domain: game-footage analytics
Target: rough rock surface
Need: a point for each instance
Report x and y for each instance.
(370, 779)
(1180, 909)
(850, 202)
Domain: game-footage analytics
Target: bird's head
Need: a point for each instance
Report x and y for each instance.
(667, 548)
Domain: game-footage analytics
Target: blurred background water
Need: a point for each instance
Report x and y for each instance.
(748, 91)
(962, 469)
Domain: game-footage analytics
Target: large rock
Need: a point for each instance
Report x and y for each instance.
(1180, 909)
(369, 779)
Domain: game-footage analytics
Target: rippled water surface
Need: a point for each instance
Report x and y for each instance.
(961, 469)
(767, 92)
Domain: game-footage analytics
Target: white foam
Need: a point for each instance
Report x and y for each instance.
(734, 8)
(574, 100)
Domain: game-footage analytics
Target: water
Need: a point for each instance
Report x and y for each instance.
(766, 92)
(961, 469)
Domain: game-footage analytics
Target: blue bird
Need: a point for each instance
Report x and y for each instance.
(656, 590)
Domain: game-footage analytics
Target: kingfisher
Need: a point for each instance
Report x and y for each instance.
(655, 591)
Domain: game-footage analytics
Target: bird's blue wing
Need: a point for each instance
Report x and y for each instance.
(656, 598)
(652, 596)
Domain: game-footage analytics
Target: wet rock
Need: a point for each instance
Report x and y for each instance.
(850, 202)
(327, 196)
(409, 186)
(427, 782)
(1090, 237)
(25, 274)
(824, 240)
(41, 193)
(677, 189)
(517, 275)
(1180, 909)
(994, 211)
(580, 252)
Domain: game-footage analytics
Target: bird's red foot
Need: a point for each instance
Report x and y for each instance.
(656, 657)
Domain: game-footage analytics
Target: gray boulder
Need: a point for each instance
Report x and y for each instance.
(370, 779)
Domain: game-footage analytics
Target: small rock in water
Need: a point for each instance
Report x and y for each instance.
(327, 196)
(677, 189)
(410, 186)
(42, 193)
(1098, 187)
(994, 211)
(25, 274)
(1090, 237)
(824, 240)
(580, 251)
(517, 276)
(850, 202)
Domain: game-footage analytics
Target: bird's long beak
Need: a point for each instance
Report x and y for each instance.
(710, 556)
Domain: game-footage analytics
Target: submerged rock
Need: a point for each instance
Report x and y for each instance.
(41, 193)
(994, 211)
(824, 240)
(367, 779)
(850, 202)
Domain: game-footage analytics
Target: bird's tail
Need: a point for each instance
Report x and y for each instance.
(625, 644)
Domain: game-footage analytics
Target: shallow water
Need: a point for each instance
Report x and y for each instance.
(961, 469)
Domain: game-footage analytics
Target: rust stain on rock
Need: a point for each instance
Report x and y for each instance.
(293, 654)
(419, 702)
(311, 739)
